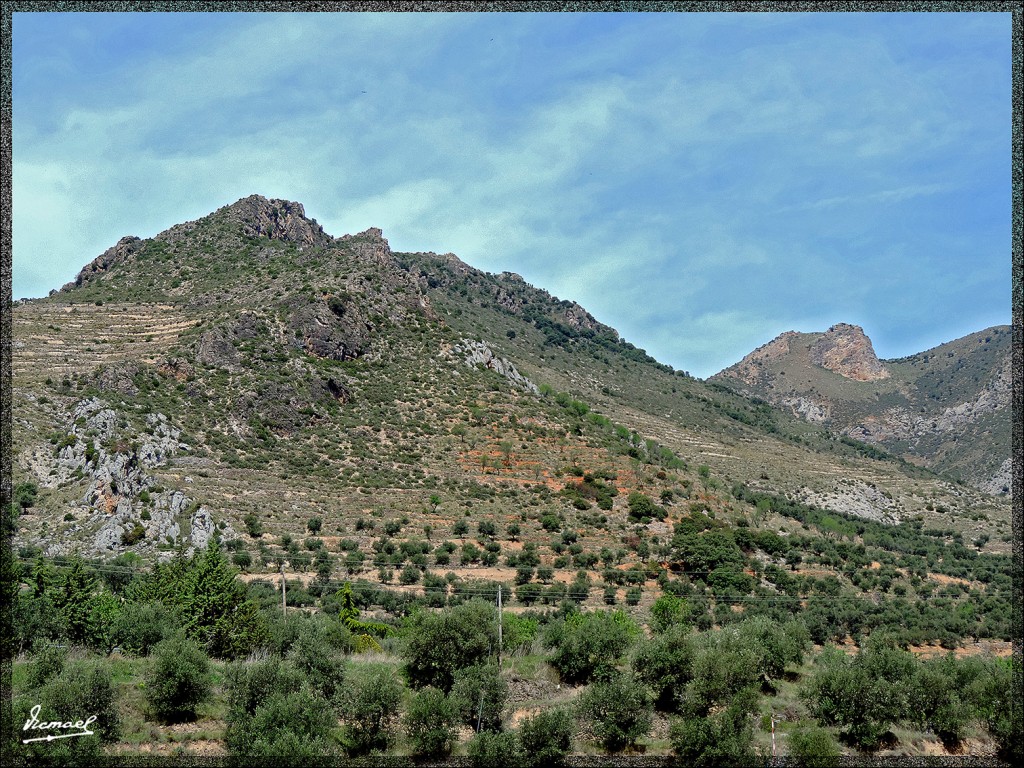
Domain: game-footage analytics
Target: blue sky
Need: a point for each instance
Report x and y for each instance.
(701, 182)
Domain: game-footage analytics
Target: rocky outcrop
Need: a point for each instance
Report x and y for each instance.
(216, 349)
(857, 498)
(277, 220)
(844, 349)
(330, 329)
(121, 252)
(749, 370)
(479, 353)
(808, 408)
(1001, 483)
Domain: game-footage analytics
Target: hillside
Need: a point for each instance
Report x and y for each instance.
(248, 371)
(245, 401)
(947, 408)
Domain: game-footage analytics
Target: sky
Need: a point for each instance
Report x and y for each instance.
(701, 182)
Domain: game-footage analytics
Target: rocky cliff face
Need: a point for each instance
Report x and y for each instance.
(844, 349)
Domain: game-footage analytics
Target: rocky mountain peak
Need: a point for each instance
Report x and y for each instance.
(846, 350)
(277, 219)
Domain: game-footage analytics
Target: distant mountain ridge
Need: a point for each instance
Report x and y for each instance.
(946, 408)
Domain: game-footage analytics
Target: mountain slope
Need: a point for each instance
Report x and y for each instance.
(947, 408)
(248, 370)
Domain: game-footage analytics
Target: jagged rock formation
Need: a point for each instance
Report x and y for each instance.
(844, 349)
(480, 353)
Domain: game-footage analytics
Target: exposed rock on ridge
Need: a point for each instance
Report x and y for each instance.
(844, 349)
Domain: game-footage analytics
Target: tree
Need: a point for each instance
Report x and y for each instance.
(271, 713)
(619, 710)
(490, 750)
(665, 663)
(478, 695)
(437, 645)
(864, 694)
(370, 708)
(314, 524)
(642, 506)
(667, 611)
(253, 526)
(722, 739)
(24, 496)
(588, 642)
(313, 656)
(430, 722)
(365, 632)
(547, 737)
(178, 681)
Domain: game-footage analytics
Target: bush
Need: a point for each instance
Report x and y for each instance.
(313, 655)
(141, 625)
(665, 663)
(80, 691)
(437, 645)
(479, 695)
(48, 662)
(864, 694)
(590, 642)
(547, 737)
(178, 681)
(813, 747)
(272, 714)
(620, 711)
(491, 750)
(369, 707)
(723, 739)
(667, 611)
(430, 722)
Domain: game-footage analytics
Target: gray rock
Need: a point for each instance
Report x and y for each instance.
(475, 353)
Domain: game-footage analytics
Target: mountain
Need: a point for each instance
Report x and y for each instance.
(947, 408)
(250, 378)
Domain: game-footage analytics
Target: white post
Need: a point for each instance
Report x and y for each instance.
(499, 626)
(284, 603)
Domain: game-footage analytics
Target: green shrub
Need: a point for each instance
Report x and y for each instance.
(478, 695)
(430, 722)
(619, 710)
(82, 690)
(547, 737)
(313, 655)
(141, 625)
(865, 694)
(272, 713)
(590, 642)
(665, 663)
(813, 746)
(178, 681)
(48, 662)
(437, 645)
(369, 707)
(494, 750)
(723, 739)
